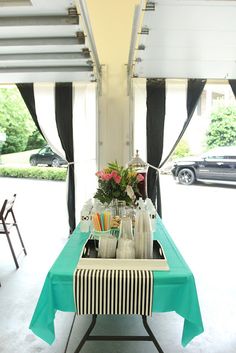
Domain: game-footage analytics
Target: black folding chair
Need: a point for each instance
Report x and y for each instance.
(7, 221)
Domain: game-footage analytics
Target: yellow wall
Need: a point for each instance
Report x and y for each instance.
(111, 22)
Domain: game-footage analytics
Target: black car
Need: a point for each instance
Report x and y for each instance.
(47, 156)
(216, 165)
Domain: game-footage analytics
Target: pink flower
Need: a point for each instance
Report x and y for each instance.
(116, 177)
(140, 177)
(99, 174)
(104, 176)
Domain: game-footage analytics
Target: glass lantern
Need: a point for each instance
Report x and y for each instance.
(140, 167)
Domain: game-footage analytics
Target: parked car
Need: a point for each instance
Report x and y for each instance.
(216, 165)
(47, 156)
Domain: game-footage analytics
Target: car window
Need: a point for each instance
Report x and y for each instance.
(48, 150)
(230, 157)
(215, 157)
(43, 150)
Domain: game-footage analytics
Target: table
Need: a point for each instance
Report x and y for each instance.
(174, 290)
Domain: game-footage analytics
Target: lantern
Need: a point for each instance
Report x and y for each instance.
(140, 167)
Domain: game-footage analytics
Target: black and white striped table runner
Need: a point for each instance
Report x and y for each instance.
(113, 291)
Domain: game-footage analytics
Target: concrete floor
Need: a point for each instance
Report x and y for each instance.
(193, 215)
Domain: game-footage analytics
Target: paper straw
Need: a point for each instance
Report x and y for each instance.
(102, 221)
(99, 220)
(105, 221)
(96, 222)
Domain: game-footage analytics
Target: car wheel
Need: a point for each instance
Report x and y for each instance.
(186, 176)
(33, 162)
(55, 163)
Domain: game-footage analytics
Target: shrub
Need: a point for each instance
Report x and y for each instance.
(181, 150)
(222, 130)
(34, 173)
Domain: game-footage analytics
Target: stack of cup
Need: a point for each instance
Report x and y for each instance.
(143, 236)
(125, 249)
(107, 246)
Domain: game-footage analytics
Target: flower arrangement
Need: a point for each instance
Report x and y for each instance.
(117, 182)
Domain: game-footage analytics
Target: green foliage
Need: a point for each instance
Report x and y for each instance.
(35, 140)
(182, 149)
(222, 130)
(117, 182)
(34, 173)
(15, 120)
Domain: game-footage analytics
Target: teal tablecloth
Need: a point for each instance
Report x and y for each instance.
(173, 290)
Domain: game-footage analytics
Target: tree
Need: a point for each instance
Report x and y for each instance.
(35, 140)
(15, 120)
(222, 129)
(181, 150)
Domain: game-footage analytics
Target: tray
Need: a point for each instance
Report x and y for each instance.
(90, 260)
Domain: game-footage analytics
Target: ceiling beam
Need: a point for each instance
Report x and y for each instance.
(38, 41)
(25, 21)
(43, 56)
(15, 3)
(89, 33)
(53, 68)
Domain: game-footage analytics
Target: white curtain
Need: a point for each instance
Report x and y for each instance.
(176, 114)
(44, 96)
(84, 134)
(85, 142)
(139, 128)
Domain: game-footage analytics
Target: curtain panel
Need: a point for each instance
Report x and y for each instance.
(232, 84)
(27, 93)
(158, 127)
(156, 96)
(65, 114)
(194, 91)
(64, 122)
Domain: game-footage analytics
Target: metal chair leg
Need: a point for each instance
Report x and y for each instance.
(12, 250)
(21, 241)
(18, 231)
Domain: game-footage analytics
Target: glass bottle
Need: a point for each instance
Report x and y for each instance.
(126, 228)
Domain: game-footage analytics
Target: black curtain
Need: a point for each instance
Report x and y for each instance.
(194, 91)
(233, 86)
(155, 129)
(156, 101)
(64, 121)
(27, 93)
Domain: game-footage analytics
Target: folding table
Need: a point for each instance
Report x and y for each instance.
(174, 290)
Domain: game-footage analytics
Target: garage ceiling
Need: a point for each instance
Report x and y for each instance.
(43, 40)
(188, 39)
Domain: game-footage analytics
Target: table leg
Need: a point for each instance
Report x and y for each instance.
(87, 336)
(71, 328)
(150, 333)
